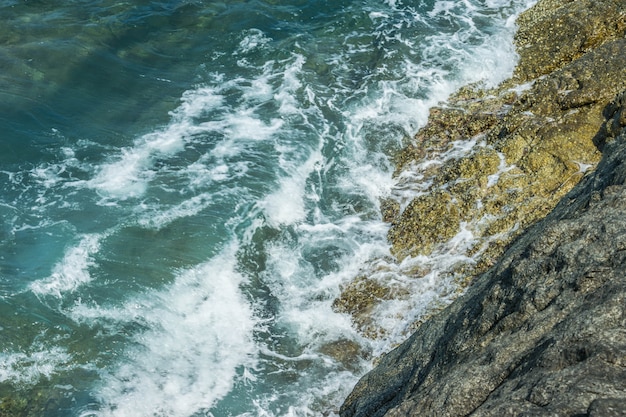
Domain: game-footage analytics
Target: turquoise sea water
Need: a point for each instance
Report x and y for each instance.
(185, 187)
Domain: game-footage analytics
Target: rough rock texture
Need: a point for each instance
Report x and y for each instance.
(533, 147)
(542, 333)
(542, 329)
(531, 139)
(555, 32)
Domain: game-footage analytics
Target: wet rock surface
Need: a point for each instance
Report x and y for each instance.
(541, 330)
(530, 141)
(532, 149)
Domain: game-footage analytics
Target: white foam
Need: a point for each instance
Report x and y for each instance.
(330, 390)
(255, 39)
(159, 217)
(306, 297)
(260, 89)
(212, 169)
(47, 175)
(128, 176)
(378, 15)
(449, 60)
(245, 125)
(445, 8)
(28, 368)
(72, 271)
(199, 334)
(503, 168)
(286, 205)
(290, 84)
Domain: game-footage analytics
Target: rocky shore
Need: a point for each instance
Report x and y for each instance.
(541, 328)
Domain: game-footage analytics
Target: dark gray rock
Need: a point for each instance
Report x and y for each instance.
(608, 407)
(542, 333)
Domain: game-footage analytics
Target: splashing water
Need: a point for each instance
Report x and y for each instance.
(187, 186)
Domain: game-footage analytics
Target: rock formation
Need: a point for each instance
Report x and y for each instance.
(542, 330)
(532, 142)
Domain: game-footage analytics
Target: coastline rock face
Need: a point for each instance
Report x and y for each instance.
(534, 146)
(542, 333)
(536, 171)
(491, 163)
(555, 32)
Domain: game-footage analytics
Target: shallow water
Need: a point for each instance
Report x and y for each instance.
(186, 186)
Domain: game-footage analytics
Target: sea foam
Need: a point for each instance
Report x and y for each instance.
(198, 338)
(72, 271)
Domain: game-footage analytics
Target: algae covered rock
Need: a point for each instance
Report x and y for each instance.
(534, 150)
(554, 33)
(360, 297)
(542, 333)
(490, 163)
(437, 217)
(537, 146)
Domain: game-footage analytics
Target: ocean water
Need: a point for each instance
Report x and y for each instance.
(186, 186)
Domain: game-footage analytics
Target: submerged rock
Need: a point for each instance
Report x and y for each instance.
(543, 332)
(490, 163)
(13, 407)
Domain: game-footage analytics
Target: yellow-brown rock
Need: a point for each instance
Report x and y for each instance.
(532, 140)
